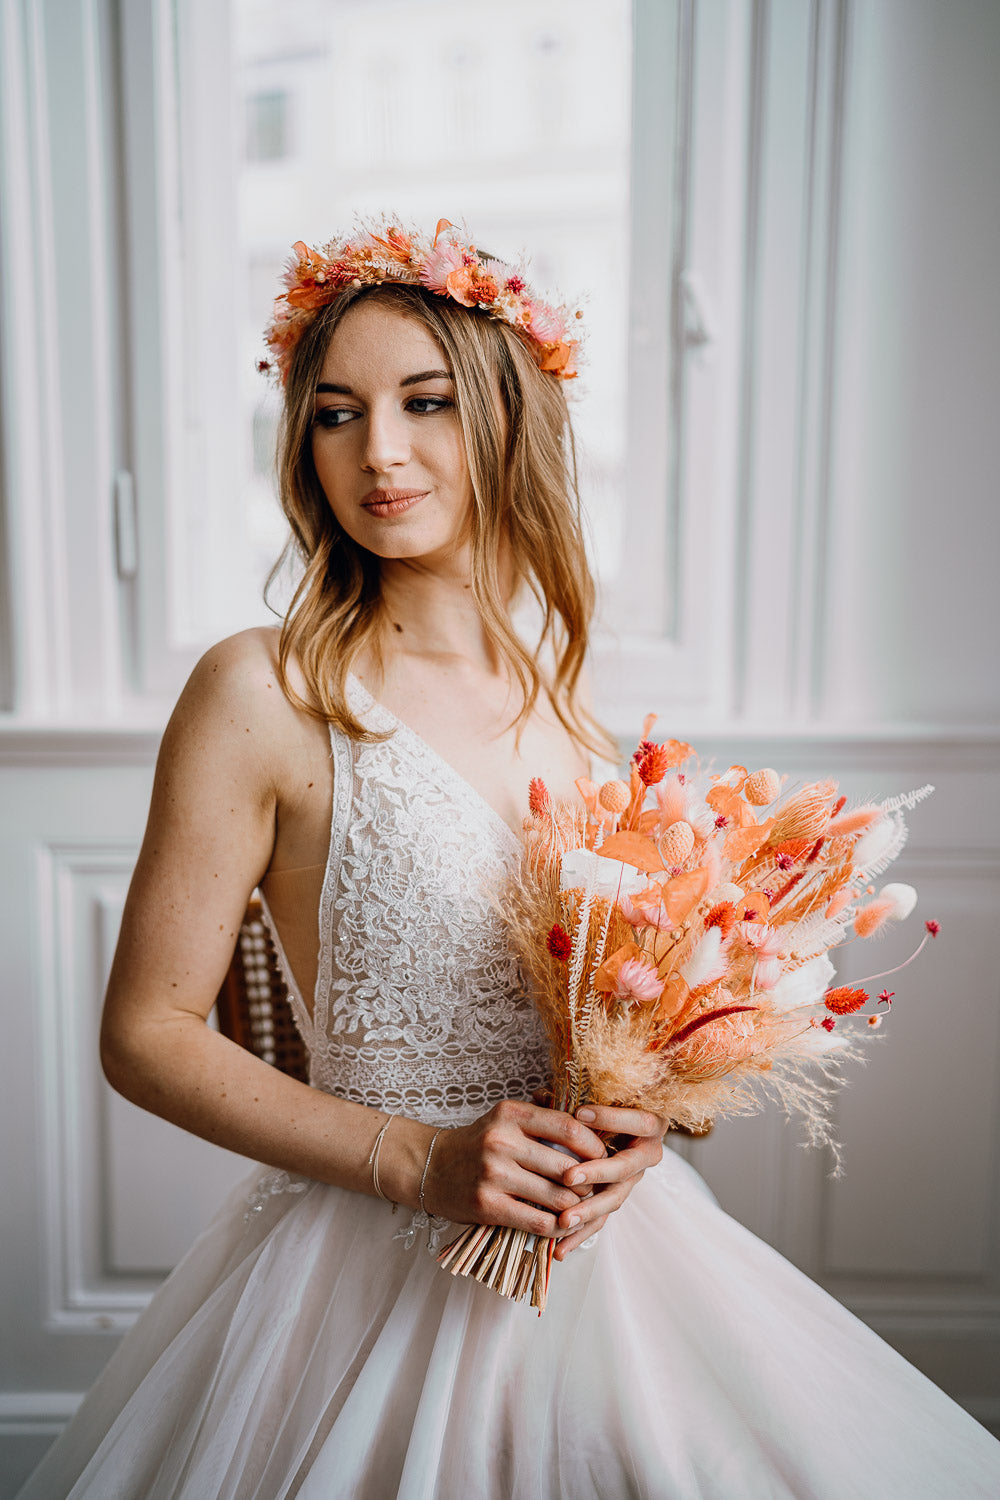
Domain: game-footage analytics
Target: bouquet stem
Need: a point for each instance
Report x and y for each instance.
(510, 1261)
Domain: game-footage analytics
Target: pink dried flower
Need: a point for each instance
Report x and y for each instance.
(784, 861)
(544, 323)
(646, 909)
(638, 982)
(828, 1023)
(885, 998)
(722, 821)
(514, 285)
(438, 266)
(933, 927)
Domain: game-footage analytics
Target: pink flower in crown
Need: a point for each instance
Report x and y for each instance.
(438, 265)
(544, 323)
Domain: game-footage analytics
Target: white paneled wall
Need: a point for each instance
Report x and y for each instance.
(815, 319)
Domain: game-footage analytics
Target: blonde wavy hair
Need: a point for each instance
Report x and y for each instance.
(522, 466)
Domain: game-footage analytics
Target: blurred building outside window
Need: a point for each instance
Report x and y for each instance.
(354, 109)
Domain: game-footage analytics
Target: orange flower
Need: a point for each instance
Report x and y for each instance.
(844, 1001)
(470, 287)
(723, 915)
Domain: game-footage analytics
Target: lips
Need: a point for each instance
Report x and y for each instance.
(390, 502)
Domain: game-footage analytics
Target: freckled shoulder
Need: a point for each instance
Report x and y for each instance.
(234, 702)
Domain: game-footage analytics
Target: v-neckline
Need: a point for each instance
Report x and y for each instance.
(446, 765)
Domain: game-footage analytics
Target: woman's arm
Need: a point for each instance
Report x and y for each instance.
(225, 769)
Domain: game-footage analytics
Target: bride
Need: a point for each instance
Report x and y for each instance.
(367, 767)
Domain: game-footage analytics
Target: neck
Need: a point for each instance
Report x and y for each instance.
(430, 611)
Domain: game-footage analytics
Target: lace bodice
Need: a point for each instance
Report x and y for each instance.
(419, 1008)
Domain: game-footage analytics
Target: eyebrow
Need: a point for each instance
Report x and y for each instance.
(325, 388)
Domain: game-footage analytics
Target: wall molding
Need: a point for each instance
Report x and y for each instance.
(80, 887)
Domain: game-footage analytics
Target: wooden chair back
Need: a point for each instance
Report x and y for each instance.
(253, 1007)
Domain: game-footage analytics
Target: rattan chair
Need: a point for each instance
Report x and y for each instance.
(253, 1006)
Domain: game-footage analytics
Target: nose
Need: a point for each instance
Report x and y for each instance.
(386, 438)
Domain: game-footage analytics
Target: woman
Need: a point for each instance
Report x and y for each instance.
(303, 1347)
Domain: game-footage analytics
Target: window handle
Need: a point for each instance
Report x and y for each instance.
(126, 528)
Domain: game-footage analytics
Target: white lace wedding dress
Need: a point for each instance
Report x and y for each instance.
(308, 1344)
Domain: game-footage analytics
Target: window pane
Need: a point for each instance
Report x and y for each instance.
(408, 107)
(267, 126)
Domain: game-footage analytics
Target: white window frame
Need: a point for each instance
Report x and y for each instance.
(717, 352)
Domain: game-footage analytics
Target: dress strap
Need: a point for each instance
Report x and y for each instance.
(342, 752)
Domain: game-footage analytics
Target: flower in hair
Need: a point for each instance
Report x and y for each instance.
(448, 265)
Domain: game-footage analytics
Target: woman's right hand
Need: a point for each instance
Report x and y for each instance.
(505, 1167)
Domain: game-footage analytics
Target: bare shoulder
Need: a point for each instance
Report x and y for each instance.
(233, 704)
(240, 672)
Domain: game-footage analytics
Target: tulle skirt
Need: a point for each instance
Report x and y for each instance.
(303, 1350)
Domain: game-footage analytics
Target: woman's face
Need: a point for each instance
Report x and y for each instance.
(386, 440)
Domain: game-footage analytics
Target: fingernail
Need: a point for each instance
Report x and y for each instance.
(574, 1220)
(586, 1114)
(576, 1179)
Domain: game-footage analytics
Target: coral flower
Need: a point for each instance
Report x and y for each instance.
(844, 1000)
(538, 795)
(470, 287)
(723, 916)
(652, 762)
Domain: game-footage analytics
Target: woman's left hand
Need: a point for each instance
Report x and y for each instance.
(604, 1184)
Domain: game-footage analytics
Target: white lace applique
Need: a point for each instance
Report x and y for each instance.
(436, 1228)
(271, 1185)
(419, 1006)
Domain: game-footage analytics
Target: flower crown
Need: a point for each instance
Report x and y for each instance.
(447, 265)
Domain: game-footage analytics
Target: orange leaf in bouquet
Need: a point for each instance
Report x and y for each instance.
(740, 843)
(632, 849)
(677, 752)
(727, 802)
(755, 907)
(684, 892)
(673, 998)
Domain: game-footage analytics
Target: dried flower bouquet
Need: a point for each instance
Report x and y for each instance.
(675, 928)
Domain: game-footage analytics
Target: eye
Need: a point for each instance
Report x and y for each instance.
(423, 406)
(334, 416)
